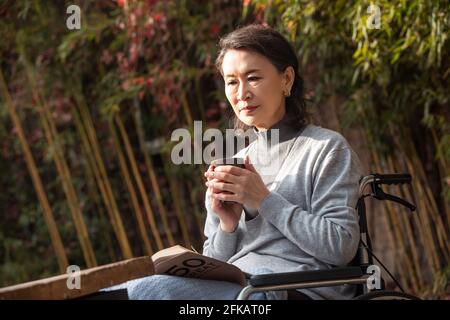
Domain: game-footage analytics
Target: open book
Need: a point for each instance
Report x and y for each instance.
(179, 261)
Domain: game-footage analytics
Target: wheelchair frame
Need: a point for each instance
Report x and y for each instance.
(356, 272)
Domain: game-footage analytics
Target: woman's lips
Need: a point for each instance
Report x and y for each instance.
(249, 109)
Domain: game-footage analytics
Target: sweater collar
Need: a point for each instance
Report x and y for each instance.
(284, 130)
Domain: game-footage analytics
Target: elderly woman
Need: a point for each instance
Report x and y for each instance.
(292, 212)
(301, 215)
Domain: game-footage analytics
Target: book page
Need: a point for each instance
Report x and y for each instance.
(182, 262)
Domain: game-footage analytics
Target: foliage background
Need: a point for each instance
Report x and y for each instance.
(148, 67)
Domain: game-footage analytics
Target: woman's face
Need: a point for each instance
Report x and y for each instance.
(255, 88)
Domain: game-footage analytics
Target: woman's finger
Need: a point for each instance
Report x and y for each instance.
(210, 169)
(224, 197)
(210, 182)
(221, 186)
(215, 189)
(231, 170)
(223, 176)
(249, 165)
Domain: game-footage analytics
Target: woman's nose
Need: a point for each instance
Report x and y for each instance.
(243, 93)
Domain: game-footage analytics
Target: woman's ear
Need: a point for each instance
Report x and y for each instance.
(288, 78)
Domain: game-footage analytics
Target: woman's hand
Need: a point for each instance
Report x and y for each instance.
(245, 186)
(229, 213)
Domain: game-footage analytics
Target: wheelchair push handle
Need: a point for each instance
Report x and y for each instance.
(396, 178)
(401, 201)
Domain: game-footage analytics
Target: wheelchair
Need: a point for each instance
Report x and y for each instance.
(359, 272)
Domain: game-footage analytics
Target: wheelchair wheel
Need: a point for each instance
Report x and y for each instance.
(386, 295)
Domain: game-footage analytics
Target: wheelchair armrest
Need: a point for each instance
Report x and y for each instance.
(274, 279)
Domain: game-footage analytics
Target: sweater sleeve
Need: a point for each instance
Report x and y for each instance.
(218, 244)
(330, 232)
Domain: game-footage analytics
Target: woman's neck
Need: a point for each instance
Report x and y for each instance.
(263, 127)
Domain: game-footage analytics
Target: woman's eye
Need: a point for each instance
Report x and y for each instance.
(232, 83)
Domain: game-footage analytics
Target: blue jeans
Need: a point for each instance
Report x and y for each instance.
(165, 287)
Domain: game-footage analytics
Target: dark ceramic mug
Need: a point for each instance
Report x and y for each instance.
(237, 162)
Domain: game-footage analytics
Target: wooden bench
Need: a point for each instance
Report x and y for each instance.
(91, 281)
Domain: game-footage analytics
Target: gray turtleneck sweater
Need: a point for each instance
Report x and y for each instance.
(308, 220)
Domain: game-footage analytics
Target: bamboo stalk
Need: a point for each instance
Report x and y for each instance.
(426, 200)
(442, 236)
(71, 194)
(197, 217)
(153, 180)
(187, 111)
(95, 170)
(426, 229)
(419, 224)
(434, 231)
(417, 220)
(92, 136)
(444, 168)
(49, 219)
(409, 235)
(131, 191)
(396, 231)
(137, 177)
(202, 168)
(423, 238)
(422, 212)
(63, 171)
(176, 201)
(93, 194)
(437, 223)
(85, 245)
(431, 209)
(441, 158)
(199, 97)
(395, 239)
(384, 218)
